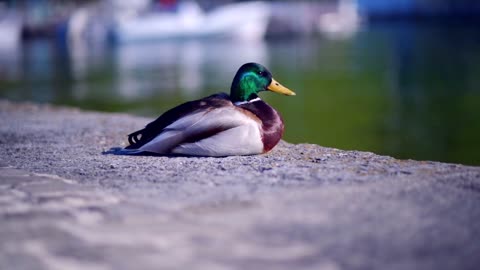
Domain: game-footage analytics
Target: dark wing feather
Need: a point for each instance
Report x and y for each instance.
(156, 127)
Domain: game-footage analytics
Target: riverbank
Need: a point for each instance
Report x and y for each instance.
(65, 203)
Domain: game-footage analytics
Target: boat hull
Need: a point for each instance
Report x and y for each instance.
(242, 21)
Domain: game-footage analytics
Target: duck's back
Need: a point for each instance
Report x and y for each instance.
(156, 127)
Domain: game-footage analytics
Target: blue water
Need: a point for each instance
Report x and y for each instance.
(406, 90)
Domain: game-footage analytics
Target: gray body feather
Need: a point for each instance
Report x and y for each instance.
(219, 132)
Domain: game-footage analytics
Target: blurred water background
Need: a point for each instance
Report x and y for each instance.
(400, 78)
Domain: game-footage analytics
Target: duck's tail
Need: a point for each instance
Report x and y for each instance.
(134, 140)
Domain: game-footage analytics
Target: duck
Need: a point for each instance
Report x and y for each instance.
(220, 125)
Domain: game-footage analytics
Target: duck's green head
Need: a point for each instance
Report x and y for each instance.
(253, 78)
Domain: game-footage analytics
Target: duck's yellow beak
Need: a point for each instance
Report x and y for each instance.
(278, 88)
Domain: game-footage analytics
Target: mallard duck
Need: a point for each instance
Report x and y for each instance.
(218, 125)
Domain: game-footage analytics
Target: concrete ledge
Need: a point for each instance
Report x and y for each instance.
(65, 205)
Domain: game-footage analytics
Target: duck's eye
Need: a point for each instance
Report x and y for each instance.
(261, 73)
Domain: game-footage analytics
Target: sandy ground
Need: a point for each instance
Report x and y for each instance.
(66, 203)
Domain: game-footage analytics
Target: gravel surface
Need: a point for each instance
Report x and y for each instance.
(67, 202)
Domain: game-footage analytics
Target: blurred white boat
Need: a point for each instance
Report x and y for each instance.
(10, 29)
(342, 23)
(243, 21)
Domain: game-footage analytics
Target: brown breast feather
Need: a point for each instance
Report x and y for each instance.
(271, 122)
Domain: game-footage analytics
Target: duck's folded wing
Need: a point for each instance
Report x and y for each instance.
(214, 132)
(140, 137)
